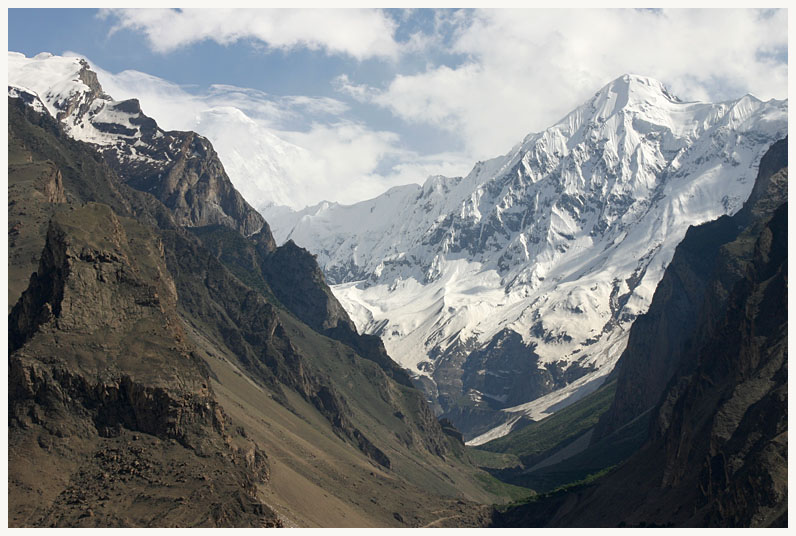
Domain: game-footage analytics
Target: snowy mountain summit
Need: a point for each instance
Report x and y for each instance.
(510, 291)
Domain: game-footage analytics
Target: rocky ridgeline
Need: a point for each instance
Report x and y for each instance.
(146, 266)
(181, 169)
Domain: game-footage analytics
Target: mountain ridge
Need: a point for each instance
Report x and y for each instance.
(70, 92)
(171, 365)
(714, 450)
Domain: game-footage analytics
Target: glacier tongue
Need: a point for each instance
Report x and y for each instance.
(522, 278)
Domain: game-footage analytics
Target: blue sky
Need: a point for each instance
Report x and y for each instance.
(381, 98)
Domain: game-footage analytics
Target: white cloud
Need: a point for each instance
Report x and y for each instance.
(360, 92)
(361, 34)
(525, 69)
(345, 156)
(174, 107)
(417, 168)
(487, 78)
(269, 162)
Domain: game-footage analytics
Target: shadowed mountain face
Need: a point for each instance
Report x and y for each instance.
(709, 261)
(173, 372)
(709, 364)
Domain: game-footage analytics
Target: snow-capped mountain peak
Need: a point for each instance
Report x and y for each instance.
(631, 92)
(522, 278)
(60, 83)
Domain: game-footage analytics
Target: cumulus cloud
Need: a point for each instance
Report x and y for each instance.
(358, 33)
(525, 69)
(360, 92)
(177, 108)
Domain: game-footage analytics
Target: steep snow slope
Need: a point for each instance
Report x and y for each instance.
(523, 277)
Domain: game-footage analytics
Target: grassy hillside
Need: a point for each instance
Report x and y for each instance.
(540, 439)
(557, 451)
(595, 460)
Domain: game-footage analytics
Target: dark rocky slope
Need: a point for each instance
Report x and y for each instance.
(289, 276)
(97, 354)
(707, 264)
(35, 191)
(190, 181)
(110, 347)
(716, 454)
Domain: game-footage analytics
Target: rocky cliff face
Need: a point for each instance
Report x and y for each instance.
(297, 282)
(737, 437)
(716, 454)
(97, 354)
(252, 328)
(181, 169)
(35, 190)
(302, 288)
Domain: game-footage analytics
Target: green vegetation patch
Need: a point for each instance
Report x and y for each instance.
(493, 460)
(539, 439)
(593, 461)
(512, 493)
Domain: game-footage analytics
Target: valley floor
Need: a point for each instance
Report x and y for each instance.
(317, 480)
